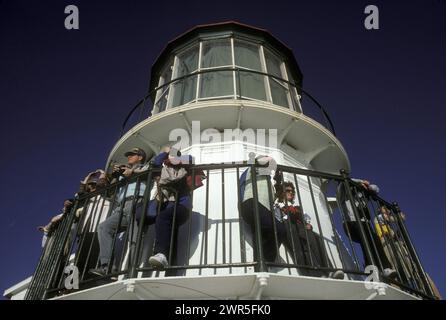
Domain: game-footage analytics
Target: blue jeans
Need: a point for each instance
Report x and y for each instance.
(109, 227)
(164, 224)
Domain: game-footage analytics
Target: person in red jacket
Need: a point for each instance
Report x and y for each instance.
(305, 245)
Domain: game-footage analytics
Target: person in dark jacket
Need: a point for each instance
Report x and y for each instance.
(174, 201)
(271, 224)
(126, 196)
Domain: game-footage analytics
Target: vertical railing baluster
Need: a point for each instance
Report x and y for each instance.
(223, 215)
(172, 230)
(271, 205)
(189, 231)
(344, 221)
(299, 197)
(363, 237)
(206, 221)
(146, 200)
(241, 231)
(84, 224)
(120, 213)
(323, 240)
(261, 266)
(336, 240)
(288, 231)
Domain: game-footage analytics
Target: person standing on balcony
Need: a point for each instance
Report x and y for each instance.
(92, 210)
(308, 246)
(54, 222)
(352, 227)
(94, 180)
(88, 184)
(174, 201)
(388, 231)
(270, 223)
(126, 196)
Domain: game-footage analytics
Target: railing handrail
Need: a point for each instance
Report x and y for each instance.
(219, 69)
(216, 166)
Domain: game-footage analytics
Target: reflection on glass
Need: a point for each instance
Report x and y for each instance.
(163, 93)
(296, 103)
(187, 62)
(252, 85)
(279, 89)
(161, 103)
(279, 93)
(247, 55)
(216, 53)
(273, 64)
(184, 90)
(216, 84)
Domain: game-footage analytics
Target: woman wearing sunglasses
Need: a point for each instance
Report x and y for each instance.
(305, 245)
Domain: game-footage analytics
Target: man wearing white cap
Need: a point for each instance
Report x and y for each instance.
(136, 158)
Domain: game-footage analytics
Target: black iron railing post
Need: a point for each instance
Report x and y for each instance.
(273, 219)
(299, 198)
(362, 233)
(239, 206)
(132, 225)
(191, 213)
(335, 234)
(173, 229)
(322, 237)
(261, 266)
(146, 199)
(120, 211)
(223, 215)
(206, 220)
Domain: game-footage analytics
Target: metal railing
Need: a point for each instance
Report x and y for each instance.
(313, 108)
(333, 241)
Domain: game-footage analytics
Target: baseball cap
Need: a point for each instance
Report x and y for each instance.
(137, 151)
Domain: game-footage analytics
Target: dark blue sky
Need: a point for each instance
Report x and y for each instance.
(64, 95)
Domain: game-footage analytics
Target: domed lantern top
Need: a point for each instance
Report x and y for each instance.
(225, 61)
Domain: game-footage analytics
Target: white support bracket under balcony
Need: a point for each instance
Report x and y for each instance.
(239, 116)
(187, 122)
(285, 132)
(152, 145)
(259, 286)
(311, 155)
